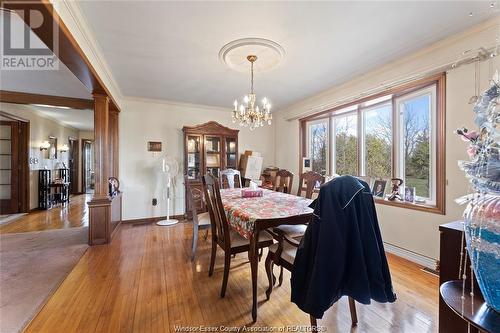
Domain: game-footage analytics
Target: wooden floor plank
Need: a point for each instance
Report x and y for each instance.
(73, 214)
(145, 282)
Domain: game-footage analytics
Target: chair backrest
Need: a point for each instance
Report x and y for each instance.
(220, 226)
(229, 178)
(195, 197)
(312, 180)
(284, 181)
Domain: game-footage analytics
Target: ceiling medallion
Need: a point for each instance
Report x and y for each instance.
(236, 55)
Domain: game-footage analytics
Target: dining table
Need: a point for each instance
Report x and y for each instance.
(251, 215)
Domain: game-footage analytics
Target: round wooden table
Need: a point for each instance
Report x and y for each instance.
(472, 309)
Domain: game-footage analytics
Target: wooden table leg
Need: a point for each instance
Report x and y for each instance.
(254, 260)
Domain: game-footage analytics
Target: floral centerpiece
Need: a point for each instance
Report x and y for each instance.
(482, 215)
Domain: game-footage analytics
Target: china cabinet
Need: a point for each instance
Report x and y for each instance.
(209, 147)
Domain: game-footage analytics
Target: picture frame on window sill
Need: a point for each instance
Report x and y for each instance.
(409, 193)
(378, 189)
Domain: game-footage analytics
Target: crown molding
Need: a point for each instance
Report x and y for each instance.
(175, 103)
(87, 37)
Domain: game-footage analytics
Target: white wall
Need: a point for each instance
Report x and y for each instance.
(40, 129)
(409, 229)
(144, 120)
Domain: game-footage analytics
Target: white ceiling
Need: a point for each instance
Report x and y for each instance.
(59, 82)
(80, 119)
(169, 50)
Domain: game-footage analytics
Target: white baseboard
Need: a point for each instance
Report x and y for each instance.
(410, 255)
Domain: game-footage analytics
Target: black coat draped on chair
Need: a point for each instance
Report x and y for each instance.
(341, 253)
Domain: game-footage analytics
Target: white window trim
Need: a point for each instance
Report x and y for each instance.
(308, 141)
(399, 163)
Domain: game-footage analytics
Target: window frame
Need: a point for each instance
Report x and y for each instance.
(308, 140)
(333, 166)
(362, 150)
(399, 163)
(438, 133)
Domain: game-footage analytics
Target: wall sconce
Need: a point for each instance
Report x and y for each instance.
(64, 148)
(45, 145)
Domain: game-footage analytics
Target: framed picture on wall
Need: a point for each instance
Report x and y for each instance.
(154, 146)
(306, 164)
(52, 151)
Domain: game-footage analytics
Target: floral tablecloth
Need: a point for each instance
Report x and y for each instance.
(243, 212)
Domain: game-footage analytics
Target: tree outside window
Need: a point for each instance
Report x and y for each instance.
(416, 141)
(378, 141)
(318, 150)
(346, 145)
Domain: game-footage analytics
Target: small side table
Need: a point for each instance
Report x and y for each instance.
(472, 310)
(61, 194)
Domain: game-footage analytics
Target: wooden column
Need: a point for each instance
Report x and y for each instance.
(100, 205)
(102, 144)
(114, 142)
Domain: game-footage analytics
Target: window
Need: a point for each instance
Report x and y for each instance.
(417, 114)
(377, 141)
(395, 135)
(345, 143)
(318, 145)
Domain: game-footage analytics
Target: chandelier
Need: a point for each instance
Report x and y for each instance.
(247, 113)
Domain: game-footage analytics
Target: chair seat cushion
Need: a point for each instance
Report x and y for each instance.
(288, 253)
(204, 218)
(238, 240)
(293, 231)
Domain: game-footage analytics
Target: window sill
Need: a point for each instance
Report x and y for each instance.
(410, 205)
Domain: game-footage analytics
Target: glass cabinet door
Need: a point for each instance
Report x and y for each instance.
(231, 153)
(213, 154)
(193, 156)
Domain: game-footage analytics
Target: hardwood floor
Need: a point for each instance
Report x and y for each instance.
(74, 214)
(144, 282)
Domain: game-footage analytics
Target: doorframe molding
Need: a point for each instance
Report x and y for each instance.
(82, 173)
(16, 97)
(77, 150)
(23, 160)
(70, 53)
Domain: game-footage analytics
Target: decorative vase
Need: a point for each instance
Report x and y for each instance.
(482, 234)
(482, 215)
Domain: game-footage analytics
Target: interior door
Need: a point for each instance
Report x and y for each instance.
(9, 167)
(88, 166)
(73, 165)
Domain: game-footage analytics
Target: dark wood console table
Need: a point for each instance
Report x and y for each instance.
(472, 310)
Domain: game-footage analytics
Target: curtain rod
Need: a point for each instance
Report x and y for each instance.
(481, 54)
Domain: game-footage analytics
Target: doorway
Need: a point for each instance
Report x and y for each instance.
(73, 165)
(88, 176)
(14, 192)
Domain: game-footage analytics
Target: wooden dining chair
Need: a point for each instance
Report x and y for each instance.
(230, 241)
(201, 221)
(230, 178)
(284, 181)
(311, 180)
(283, 254)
